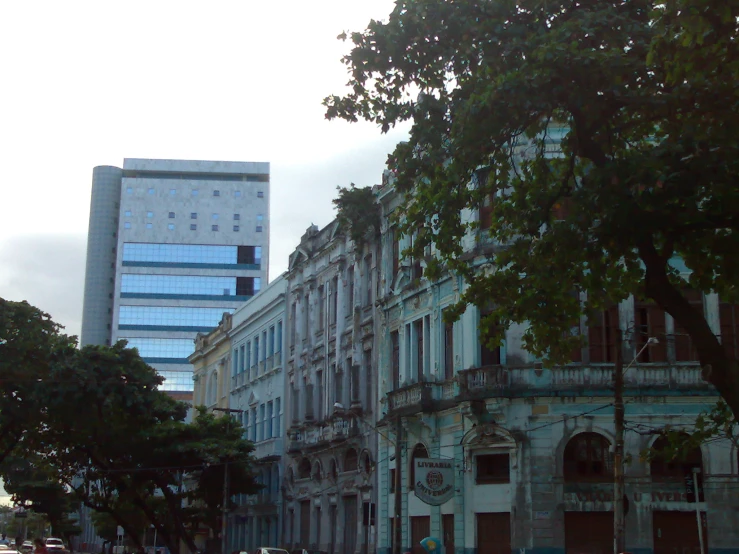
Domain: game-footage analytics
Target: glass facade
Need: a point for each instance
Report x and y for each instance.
(170, 318)
(147, 254)
(176, 380)
(152, 348)
(135, 285)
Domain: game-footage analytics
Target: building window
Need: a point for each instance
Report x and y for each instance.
(368, 280)
(236, 227)
(729, 320)
(419, 452)
(149, 225)
(260, 194)
(214, 216)
(418, 339)
(350, 291)
(193, 215)
(304, 469)
(260, 217)
(320, 301)
(172, 192)
(333, 302)
(351, 460)
(319, 395)
(194, 192)
(151, 191)
(338, 388)
(129, 190)
(678, 468)
(170, 226)
(396, 252)
(214, 227)
(448, 350)
(127, 225)
(602, 329)
(486, 213)
(193, 227)
(492, 468)
(259, 229)
(368, 380)
(587, 458)
(237, 217)
(149, 214)
(395, 342)
(237, 194)
(488, 356)
(127, 213)
(216, 193)
(276, 425)
(650, 322)
(171, 215)
(684, 348)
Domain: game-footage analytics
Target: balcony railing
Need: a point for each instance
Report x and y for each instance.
(278, 359)
(268, 363)
(261, 367)
(484, 379)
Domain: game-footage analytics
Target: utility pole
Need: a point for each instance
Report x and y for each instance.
(398, 536)
(224, 520)
(619, 544)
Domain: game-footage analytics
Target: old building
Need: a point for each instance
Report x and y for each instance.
(210, 363)
(330, 488)
(519, 457)
(257, 388)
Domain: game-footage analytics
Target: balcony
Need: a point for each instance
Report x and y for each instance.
(319, 434)
(261, 368)
(269, 363)
(277, 359)
(484, 381)
(270, 448)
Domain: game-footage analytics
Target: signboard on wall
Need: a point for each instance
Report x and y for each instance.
(434, 480)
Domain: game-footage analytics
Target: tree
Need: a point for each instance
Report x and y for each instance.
(600, 136)
(29, 342)
(358, 212)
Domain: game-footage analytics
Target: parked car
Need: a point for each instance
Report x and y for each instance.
(267, 550)
(55, 546)
(5, 549)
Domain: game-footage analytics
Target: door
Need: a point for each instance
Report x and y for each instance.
(677, 532)
(350, 524)
(304, 539)
(332, 528)
(589, 532)
(447, 532)
(420, 529)
(494, 533)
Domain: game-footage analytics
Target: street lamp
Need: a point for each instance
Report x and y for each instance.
(224, 523)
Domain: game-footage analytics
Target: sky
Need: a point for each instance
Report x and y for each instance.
(92, 83)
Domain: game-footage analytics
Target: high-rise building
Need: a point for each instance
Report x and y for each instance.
(172, 245)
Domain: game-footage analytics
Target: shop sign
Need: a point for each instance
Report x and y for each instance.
(434, 480)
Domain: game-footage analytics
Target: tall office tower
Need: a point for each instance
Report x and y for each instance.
(172, 245)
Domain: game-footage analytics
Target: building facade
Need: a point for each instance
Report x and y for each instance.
(257, 389)
(330, 491)
(172, 246)
(210, 363)
(529, 449)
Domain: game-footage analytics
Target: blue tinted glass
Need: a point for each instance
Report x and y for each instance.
(176, 380)
(257, 284)
(257, 254)
(162, 348)
(168, 316)
(179, 253)
(178, 284)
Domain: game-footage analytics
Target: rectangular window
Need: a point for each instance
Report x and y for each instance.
(127, 225)
(216, 193)
(248, 357)
(172, 192)
(488, 356)
(276, 425)
(684, 348)
(268, 432)
(334, 299)
(293, 323)
(263, 421)
(650, 322)
(214, 227)
(492, 468)
(350, 291)
(391, 478)
(296, 404)
(320, 301)
(368, 379)
(418, 337)
(149, 226)
(246, 424)
(260, 194)
(194, 192)
(236, 228)
(319, 395)
(368, 280)
(271, 342)
(396, 252)
(278, 341)
(338, 389)
(129, 190)
(254, 425)
(260, 217)
(127, 213)
(602, 335)
(448, 350)
(259, 229)
(235, 362)
(237, 217)
(151, 191)
(170, 226)
(193, 215)
(486, 213)
(237, 194)
(395, 346)
(255, 360)
(193, 227)
(242, 360)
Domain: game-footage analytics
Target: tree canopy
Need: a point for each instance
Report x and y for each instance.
(599, 135)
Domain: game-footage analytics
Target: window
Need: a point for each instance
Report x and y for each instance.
(214, 216)
(684, 348)
(333, 303)
(492, 468)
(278, 339)
(729, 318)
(395, 342)
(351, 460)
(368, 280)
(171, 317)
(214, 227)
(259, 229)
(127, 225)
(236, 228)
(237, 194)
(304, 469)
(448, 350)
(368, 379)
(151, 191)
(170, 226)
(260, 194)
(319, 395)
(263, 418)
(162, 348)
(320, 301)
(216, 193)
(418, 338)
(419, 452)
(602, 329)
(127, 213)
(237, 217)
(396, 252)
(194, 192)
(193, 215)
(171, 215)
(253, 433)
(650, 322)
(276, 425)
(149, 225)
(149, 214)
(293, 323)
(587, 458)
(172, 192)
(338, 388)
(193, 227)
(678, 469)
(392, 481)
(129, 190)
(260, 217)
(488, 356)
(350, 291)
(486, 212)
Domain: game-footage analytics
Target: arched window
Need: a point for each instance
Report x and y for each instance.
(304, 469)
(587, 458)
(333, 473)
(366, 459)
(677, 467)
(351, 460)
(419, 451)
(316, 473)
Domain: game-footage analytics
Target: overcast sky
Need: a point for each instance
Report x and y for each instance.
(92, 83)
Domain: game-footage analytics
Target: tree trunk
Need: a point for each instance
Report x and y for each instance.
(717, 368)
(174, 501)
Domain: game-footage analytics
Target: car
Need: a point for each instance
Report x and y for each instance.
(56, 546)
(267, 550)
(5, 549)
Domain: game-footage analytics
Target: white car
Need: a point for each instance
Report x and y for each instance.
(5, 549)
(267, 550)
(55, 545)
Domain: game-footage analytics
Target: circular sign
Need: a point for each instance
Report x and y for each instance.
(434, 480)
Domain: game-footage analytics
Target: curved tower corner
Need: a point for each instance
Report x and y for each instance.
(101, 255)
